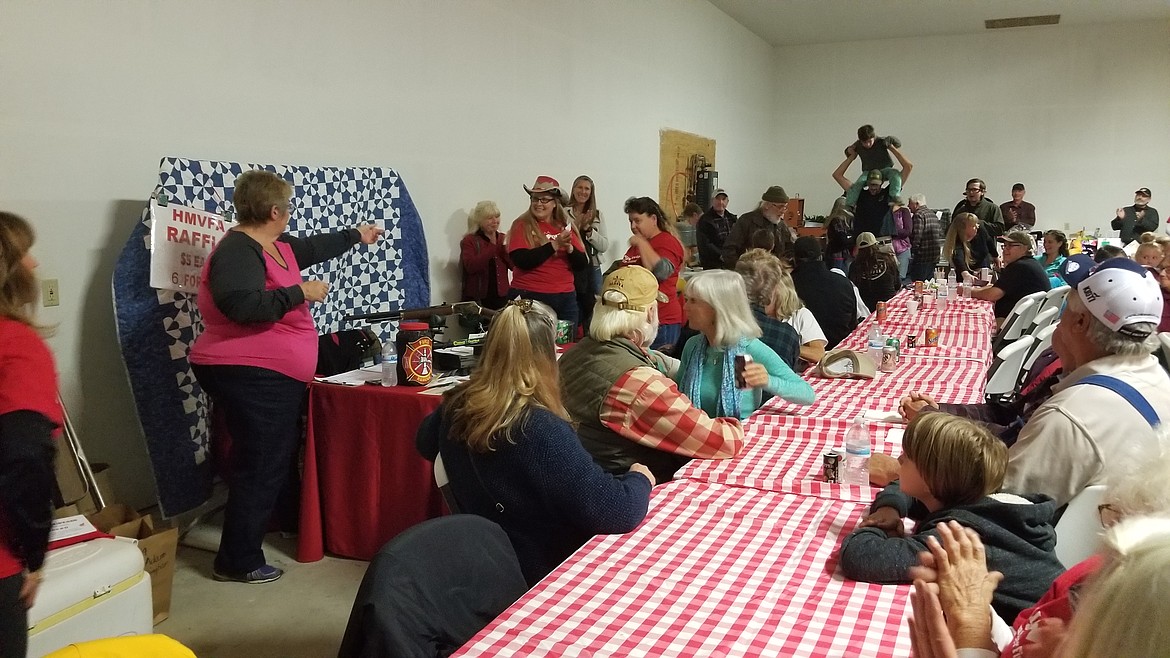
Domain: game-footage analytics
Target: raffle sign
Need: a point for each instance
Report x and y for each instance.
(181, 239)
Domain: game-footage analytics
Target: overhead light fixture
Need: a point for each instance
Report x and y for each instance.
(1023, 21)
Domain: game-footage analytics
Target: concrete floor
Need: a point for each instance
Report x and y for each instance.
(302, 615)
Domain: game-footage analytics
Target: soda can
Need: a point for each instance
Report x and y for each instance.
(911, 341)
(741, 361)
(889, 359)
(919, 286)
(882, 312)
(832, 466)
(896, 344)
(931, 337)
(564, 332)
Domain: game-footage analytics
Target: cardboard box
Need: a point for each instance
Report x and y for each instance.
(158, 550)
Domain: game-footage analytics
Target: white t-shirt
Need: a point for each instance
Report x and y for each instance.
(805, 324)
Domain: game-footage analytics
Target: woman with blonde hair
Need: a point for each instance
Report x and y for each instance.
(583, 212)
(484, 257)
(778, 309)
(30, 416)
(513, 457)
(546, 249)
(967, 246)
(717, 307)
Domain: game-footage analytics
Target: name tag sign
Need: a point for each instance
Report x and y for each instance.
(181, 239)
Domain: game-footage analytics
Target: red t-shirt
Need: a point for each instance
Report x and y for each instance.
(1057, 603)
(666, 246)
(28, 382)
(554, 275)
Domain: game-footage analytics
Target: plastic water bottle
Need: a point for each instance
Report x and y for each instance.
(875, 344)
(389, 365)
(951, 280)
(857, 452)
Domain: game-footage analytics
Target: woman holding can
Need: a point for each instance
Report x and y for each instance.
(654, 245)
(546, 249)
(717, 307)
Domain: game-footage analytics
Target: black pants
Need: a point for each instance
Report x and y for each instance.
(564, 304)
(13, 618)
(262, 409)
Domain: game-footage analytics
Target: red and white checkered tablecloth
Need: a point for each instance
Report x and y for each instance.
(713, 571)
(958, 381)
(965, 328)
(786, 455)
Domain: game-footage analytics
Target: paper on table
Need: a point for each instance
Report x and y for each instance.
(895, 434)
(882, 416)
(354, 377)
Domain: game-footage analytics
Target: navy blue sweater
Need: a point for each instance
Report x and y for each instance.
(1018, 539)
(554, 497)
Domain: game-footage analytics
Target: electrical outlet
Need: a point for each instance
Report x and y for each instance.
(51, 292)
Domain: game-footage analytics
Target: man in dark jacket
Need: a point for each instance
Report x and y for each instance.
(712, 231)
(763, 227)
(1134, 220)
(976, 203)
(827, 295)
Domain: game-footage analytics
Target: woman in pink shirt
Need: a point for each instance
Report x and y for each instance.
(257, 352)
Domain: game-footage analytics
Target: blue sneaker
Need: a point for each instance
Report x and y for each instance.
(264, 574)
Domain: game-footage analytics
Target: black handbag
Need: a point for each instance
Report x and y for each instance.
(346, 350)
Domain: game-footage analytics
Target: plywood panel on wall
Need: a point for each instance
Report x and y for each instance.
(676, 149)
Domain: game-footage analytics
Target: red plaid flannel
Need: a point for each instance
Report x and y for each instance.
(646, 407)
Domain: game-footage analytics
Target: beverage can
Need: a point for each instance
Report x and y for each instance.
(911, 341)
(741, 361)
(919, 286)
(882, 312)
(931, 337)
(832, 466)
(564, 332)
(889, 359)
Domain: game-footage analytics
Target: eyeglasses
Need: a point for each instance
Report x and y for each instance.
(542, 199)
(974, 189)
(1108, 515)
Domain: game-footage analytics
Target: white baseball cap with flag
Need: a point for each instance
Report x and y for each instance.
(1120, 293)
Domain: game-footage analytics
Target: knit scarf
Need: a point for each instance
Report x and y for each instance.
(729, 395)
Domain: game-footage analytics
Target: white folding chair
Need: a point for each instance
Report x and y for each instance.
(445, 485)
(1043, 319)
(1078, 533)
(1043, 342)
(1005, 371)
(1054, 299)
(1019, 319)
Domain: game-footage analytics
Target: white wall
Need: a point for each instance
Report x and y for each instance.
(1081, 115)
(468, 100)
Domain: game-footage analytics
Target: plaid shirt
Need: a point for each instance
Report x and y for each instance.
(780, 336)
(926, 238)
(646, 407)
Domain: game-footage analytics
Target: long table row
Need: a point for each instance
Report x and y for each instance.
(738, 557)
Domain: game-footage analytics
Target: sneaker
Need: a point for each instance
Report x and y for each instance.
(264, 574)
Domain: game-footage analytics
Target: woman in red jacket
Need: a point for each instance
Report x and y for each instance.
(484, 258)
(29, 417)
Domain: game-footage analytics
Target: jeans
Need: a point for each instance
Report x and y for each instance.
(921, 271)
(903, 265)
(889, 173)
(262, 409)
(13, 617)
(564, 304)
(667, 336)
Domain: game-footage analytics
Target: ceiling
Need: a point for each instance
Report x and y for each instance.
(791, 22)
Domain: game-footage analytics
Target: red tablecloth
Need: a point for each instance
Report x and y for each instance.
(364, 481)
(965, 328)
(713, 571)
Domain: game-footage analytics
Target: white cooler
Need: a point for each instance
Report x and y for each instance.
(92, 590)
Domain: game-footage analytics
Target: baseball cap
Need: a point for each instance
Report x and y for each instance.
(1121, 293)
(1144, 191)
(875, 175)
(842, 363)
(866, 239)
(1018, 187)
(1019, 237)
(632, 288)
(719, 192)
(1075, 268)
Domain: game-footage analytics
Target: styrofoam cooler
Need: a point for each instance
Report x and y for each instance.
(93, 590)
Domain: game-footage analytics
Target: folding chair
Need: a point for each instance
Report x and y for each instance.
(1042, 320)
(1043, 342)
(1078, 532)
(444, 485)
(1054, 299)
(1018, 320)
(1005, 371)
